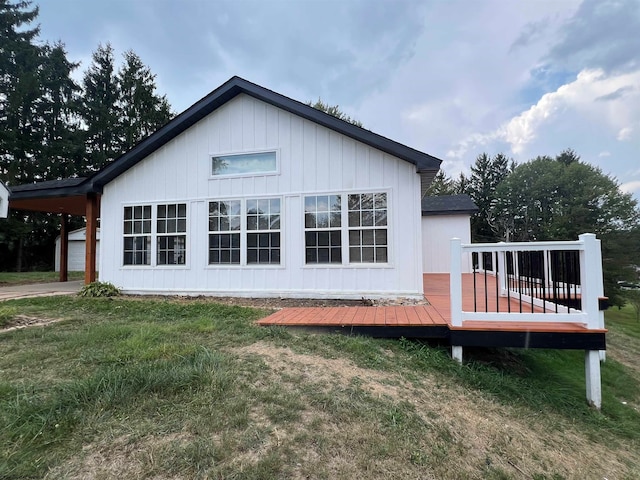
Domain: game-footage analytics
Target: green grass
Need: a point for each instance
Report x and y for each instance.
(177, 388)
(24, 278)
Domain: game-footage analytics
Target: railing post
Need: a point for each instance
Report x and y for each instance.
(590, 278)
(502, 263)
(455, 292)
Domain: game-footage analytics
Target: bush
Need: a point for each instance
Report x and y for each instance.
(99, 289)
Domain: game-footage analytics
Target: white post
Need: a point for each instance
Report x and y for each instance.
(547, 269)
(590, 278)
(502, 263)
(455, 292)
(592, 377)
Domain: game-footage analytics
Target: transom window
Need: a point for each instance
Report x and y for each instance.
(322, 222)
(244, 232)
(244, 164)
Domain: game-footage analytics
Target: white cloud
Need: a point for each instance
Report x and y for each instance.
(624, 134)
(631, 187)
(604, 154)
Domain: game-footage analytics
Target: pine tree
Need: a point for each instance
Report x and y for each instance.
(142, 110)
(100, 111)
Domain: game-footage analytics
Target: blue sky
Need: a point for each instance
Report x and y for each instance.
(453, 79)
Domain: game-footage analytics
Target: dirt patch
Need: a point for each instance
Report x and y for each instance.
(278, 303)
(19, 322)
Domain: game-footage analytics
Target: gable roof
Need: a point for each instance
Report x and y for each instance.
(424, 163)
(448, 205)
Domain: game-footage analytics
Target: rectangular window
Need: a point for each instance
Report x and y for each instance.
(171, 229)
(322, 222)
(224, 232)
(367, 214)
(263, 230)
(244, 164)
(137, 235)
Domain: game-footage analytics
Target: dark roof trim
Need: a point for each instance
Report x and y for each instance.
(66, 187)
(228, 91)
(448, 205)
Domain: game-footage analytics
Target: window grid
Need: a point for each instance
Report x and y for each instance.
(171, 219)
(367, 217)
(137, 235)
(263, 231)
(323, 220)
(224, 232)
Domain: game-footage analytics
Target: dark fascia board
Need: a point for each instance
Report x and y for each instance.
(228, 91)
(448, 205)
(67, 187)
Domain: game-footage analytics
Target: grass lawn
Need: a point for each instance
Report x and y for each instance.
(24, 278)
(134, 388)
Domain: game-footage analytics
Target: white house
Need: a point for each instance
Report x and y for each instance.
(76, 253)
(251, 193)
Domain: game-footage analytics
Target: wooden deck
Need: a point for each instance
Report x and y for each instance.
(434, 320)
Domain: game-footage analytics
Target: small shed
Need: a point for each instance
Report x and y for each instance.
(443, 218)
(77, 240)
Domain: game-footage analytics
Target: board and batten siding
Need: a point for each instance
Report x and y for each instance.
(437, 232)
(312, 160)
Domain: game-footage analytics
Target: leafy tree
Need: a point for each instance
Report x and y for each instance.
(142, 110)
(100, 110)
(335, 111)
(563, 197)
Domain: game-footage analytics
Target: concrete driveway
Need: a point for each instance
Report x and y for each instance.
(40, 290)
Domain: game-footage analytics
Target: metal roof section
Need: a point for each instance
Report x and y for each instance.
(448, 205)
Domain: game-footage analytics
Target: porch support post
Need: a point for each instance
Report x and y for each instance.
(592, 287)
(455, 292)
(592, 377)
(90, 239)
(64, 248)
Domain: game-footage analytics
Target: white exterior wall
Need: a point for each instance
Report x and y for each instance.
(312, 160)
(437, 232)
(76, 252)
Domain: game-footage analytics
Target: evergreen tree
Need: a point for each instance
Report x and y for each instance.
(442, 185)
(100, 110)
(335, 111)
(142, 110)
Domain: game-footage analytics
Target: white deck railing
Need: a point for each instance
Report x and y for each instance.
(549, 290)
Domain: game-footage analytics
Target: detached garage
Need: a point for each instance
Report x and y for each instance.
(77, 250)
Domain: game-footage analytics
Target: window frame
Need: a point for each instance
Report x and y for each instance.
(276, 171)
(245, 232)
(345, 229)
(154, 236)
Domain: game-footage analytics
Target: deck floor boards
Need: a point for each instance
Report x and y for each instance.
(436, 314)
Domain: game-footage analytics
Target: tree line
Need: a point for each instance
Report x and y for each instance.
(53, 127)
(552, 198)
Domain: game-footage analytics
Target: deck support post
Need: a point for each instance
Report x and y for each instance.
(455, 292)
(591, 282)
(64, 248)
(90, 239)
(592, 377)
(456, 353)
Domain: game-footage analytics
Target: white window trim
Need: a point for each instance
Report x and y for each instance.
(344, 229)
(243, 175)
(154, 237)
(243, 236)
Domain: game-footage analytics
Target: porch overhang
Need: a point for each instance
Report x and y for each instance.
(70, 196)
